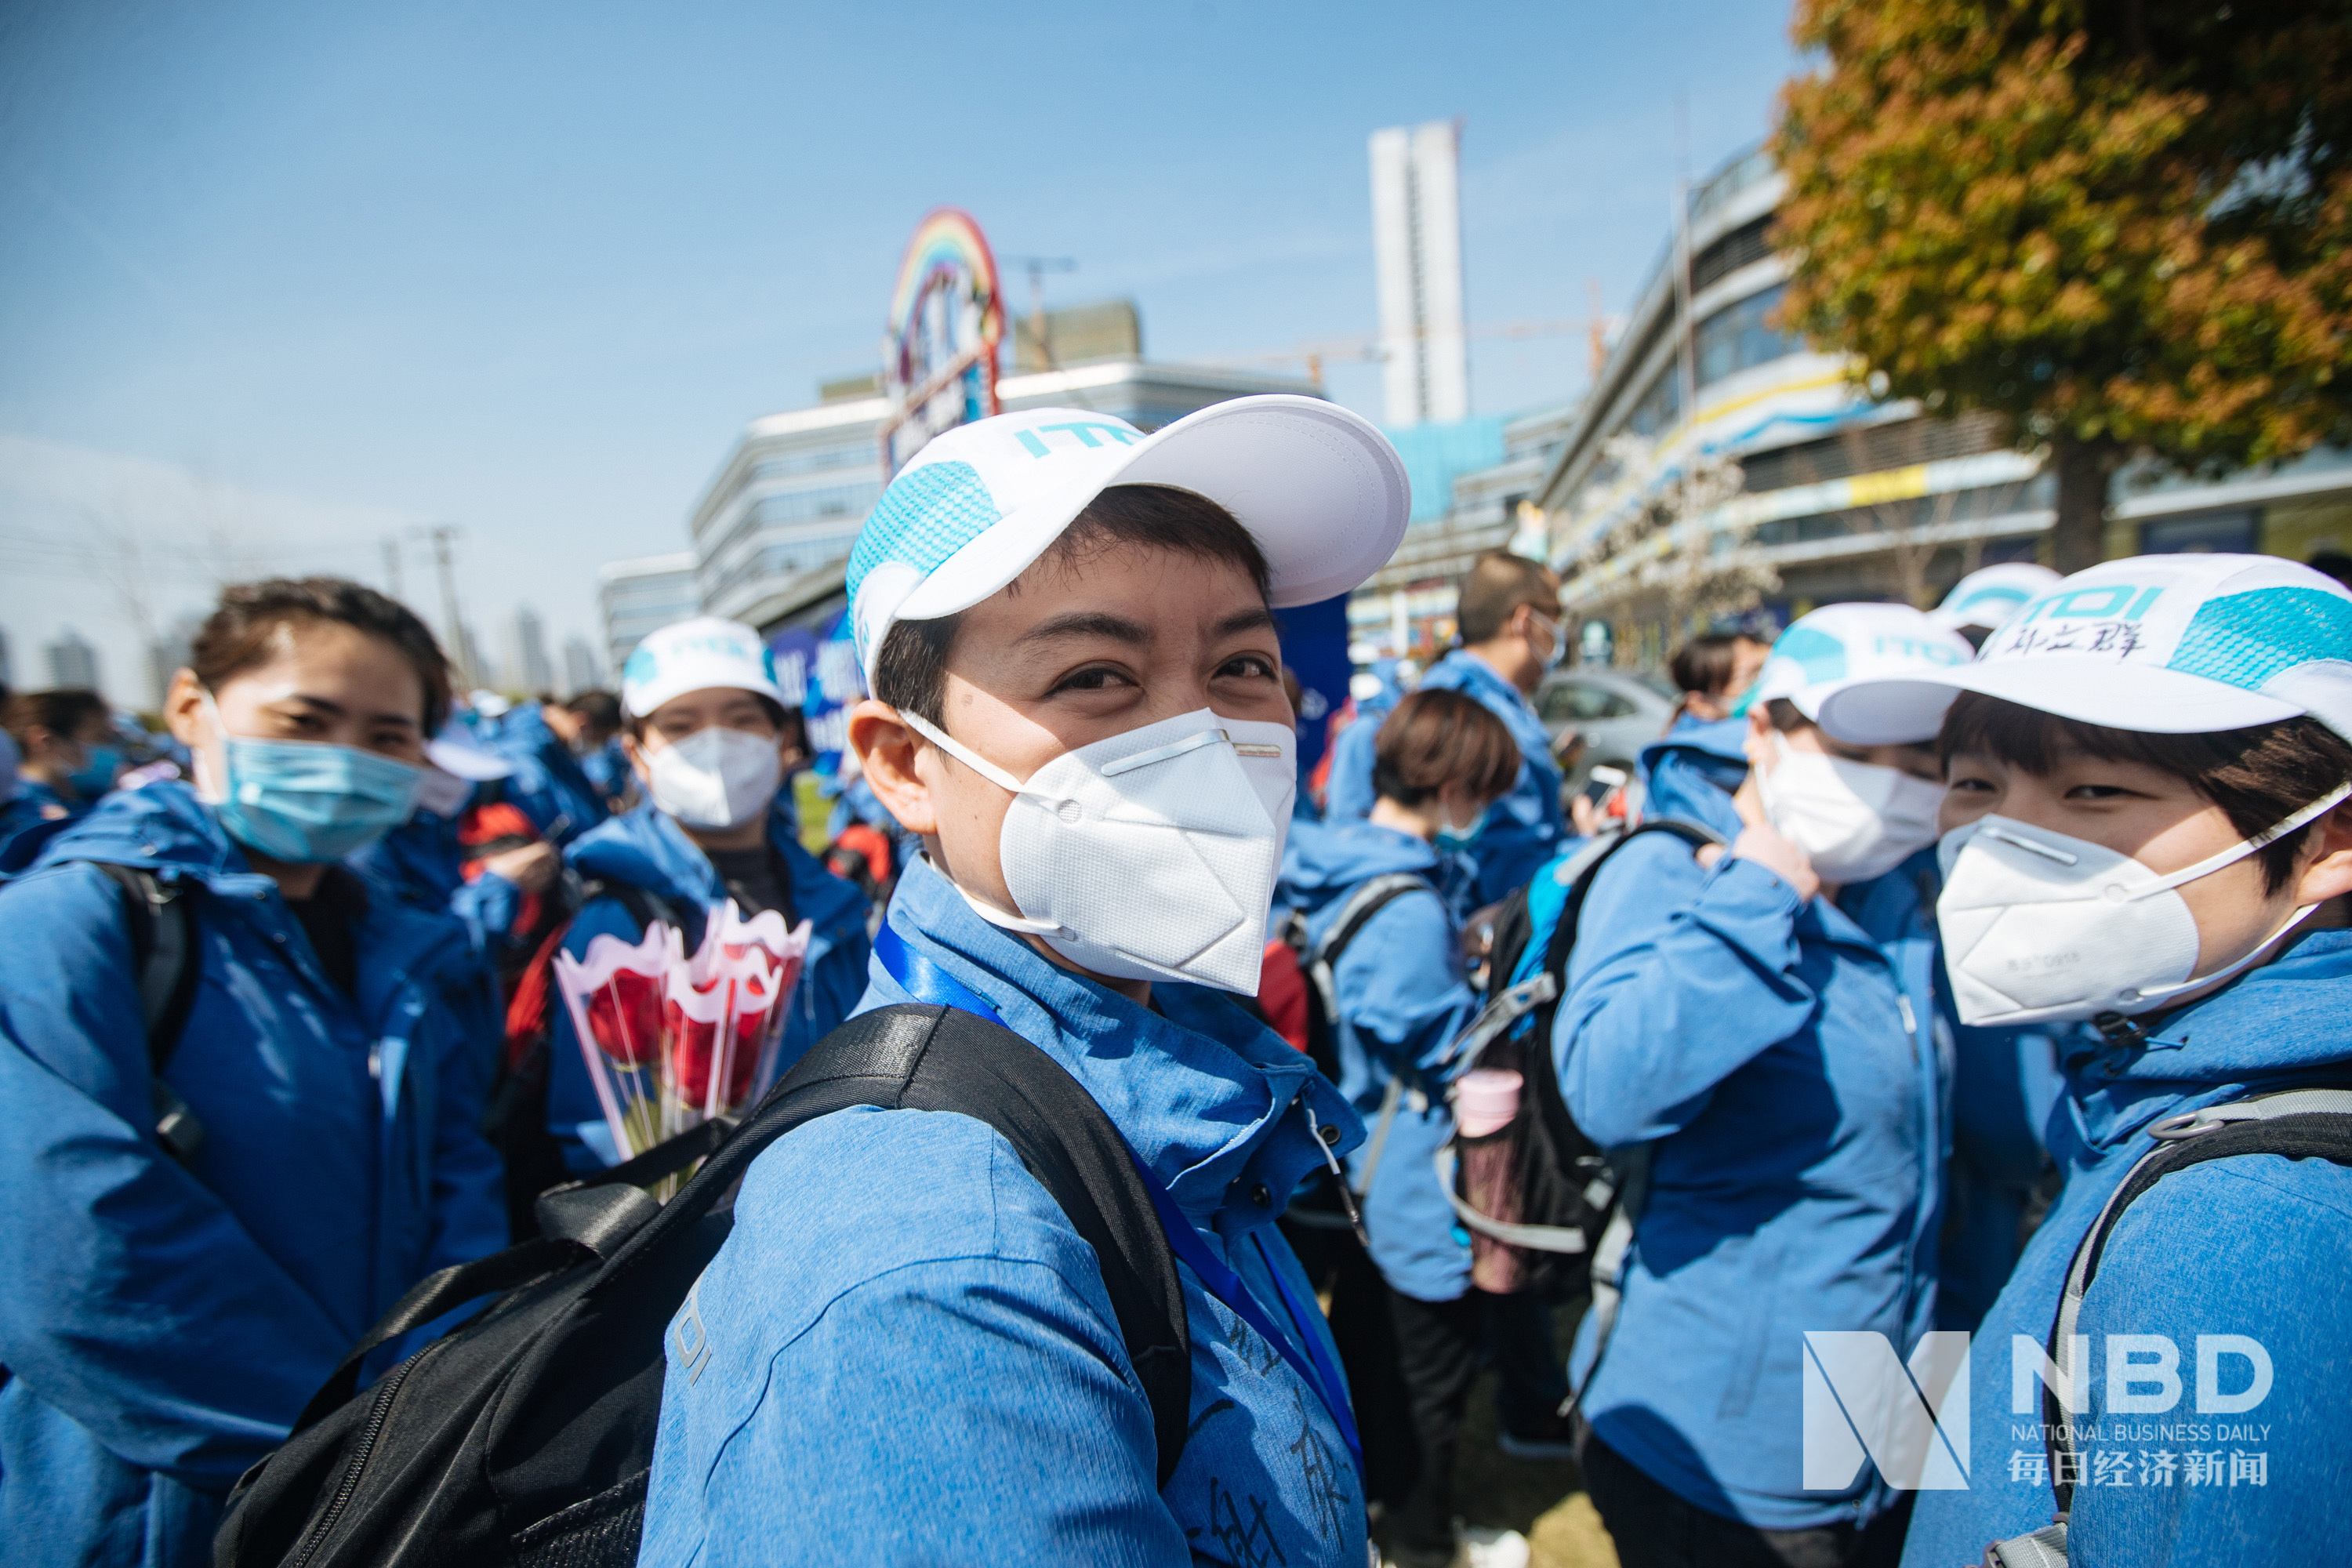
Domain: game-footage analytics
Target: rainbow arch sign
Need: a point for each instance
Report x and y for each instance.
(938, 350)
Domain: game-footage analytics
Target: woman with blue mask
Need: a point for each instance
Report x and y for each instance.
(212, 1199)
(1410, 1328)
(69, 755)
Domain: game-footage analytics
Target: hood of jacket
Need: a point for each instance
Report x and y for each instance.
(1324, 861)
(1202, 1092)
(164, 829)
(1693, 772)
(2277, 1026)
(646, 848)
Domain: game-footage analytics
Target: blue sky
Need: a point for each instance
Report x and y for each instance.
(276, 280)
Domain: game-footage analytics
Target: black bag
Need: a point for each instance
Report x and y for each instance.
(1570, 1190)
(526, 1435)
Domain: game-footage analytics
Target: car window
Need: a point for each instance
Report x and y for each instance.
(1575, 704)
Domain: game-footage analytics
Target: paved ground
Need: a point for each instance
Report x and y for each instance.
(1544, 1500)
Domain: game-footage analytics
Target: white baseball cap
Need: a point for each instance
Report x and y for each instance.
(2168, 645)
(1989, 596)
(1838, 645)
(453, 752)
(695, 656)
(1319, 489)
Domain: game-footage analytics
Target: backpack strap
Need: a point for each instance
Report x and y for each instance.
(2299, 1123)
(1549, 982)
(169, 964)
(1321, 961)
(908, 1057)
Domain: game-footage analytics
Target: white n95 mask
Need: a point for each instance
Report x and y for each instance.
(1853, 820)
(715, 778)
(2043, 926)
(1152, 855)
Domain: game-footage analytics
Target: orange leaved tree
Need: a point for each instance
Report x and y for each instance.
(2124, 224)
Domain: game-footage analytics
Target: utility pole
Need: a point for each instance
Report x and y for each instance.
(455, 629)
(392, 565)
(1038, 266)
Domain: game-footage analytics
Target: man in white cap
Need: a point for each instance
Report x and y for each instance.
(712, 741)
(2146, 833)
(1071, 630)
(1759, 1015)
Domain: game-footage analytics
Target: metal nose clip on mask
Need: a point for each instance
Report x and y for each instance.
(2040, 925)
(1152, 855)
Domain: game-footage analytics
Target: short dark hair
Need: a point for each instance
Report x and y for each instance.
(911, 673)
(1704, 665)
(60, 712)
(1498, 583)
(1439, 737)
(239, 632)
(601, 709)
(2259, 776)
(1785, 716)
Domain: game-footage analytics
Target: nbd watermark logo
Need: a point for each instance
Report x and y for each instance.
(1910, 1417)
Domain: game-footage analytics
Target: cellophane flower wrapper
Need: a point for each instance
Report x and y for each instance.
(671, 1039)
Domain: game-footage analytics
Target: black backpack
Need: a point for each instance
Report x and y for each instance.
(525, 1436)
(1569, 1188)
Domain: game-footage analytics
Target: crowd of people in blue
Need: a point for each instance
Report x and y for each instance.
(1912, 940)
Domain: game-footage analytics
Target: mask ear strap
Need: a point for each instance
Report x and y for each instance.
(959, 752)
(2236, 852)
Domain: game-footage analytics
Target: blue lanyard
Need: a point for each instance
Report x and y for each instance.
(922, 979)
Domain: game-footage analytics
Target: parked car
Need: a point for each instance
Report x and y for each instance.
(1616, 712)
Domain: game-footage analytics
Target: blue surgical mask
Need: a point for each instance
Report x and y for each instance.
(309, 802)
(96, 777)
(1452, 840)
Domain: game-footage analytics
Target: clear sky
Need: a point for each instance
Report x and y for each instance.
(279, 281)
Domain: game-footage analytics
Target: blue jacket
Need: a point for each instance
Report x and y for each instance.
(165, 1324)
(2257, 1246)
(547, 783)
(1768, 1051)
(606, 767)
(648, 849)
(423, 863)
(1524, 829)
(1403, 999)
(34, 803)
(905, 1326)
(2004, 1084)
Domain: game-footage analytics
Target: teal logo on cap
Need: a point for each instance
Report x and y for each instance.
(1084, 430)
(1820, 655)
(2097, 602)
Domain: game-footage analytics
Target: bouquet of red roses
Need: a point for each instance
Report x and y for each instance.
(672, 1039)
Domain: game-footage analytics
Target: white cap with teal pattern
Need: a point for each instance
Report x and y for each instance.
(1319, 489)
(1990, 595)
(700, 655)
(1838, 645)
(2171, 645)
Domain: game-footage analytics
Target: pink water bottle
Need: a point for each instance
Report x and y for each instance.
(1485, 1100)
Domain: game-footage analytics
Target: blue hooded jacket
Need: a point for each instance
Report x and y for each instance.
(2259, 1245)
(34, 803)
(645, 848)
(1403, 999)
(1768, 1051)
(906, 1329)
(164, 1325)
(547, 783)
(1521, 831)
(422, 862)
